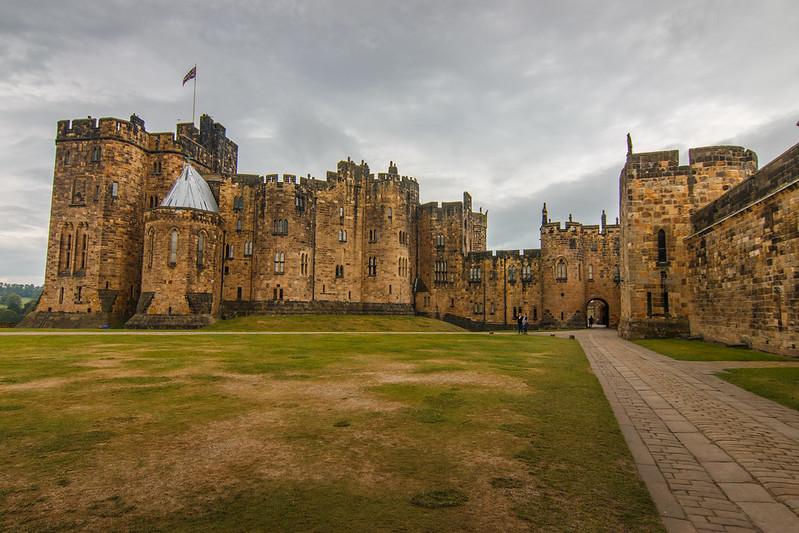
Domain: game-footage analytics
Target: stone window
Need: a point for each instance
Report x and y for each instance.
(573, 244)
(114, 189)
(512, 274)
(280, 263)
(649, 304)
(157, 167)
(238, 224)
(440, 271)
(492, 308)
(66, 157)
(390, 213)
(61, 295)
(402, 266)
(238, 203)
(440, 241)
(475, 274)
(83, 241)
(200, 250)
(96, 154)
(280, 226)
(229, 251)
(339, 271)
(342, 235)
(248, 249)
(527, 273)
(150, 247)
(66, 249)
(304, 263)
(341, 214)
(79, 192)
(662, 256)
(616, 274)
(590, 272)
(78, 294)
(561, 271)
(372, 266)
(535, 314)
(299, 203)
(238, 293)
(173, 247)
(373, 235)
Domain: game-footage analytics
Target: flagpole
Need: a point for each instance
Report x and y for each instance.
(194, 101)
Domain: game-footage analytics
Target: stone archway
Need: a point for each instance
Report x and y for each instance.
(599, 310)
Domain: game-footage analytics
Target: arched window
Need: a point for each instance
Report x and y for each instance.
(200, 250)
(342, 235)
(150, 247)
(390, 213)
(280, 262)
(373, 266)
(84, 248)
(560, 270)
(238, 224)
(248, 249)
(173, 247)
(65, 259)
(662, 256)
(512, 274)
(590, 272)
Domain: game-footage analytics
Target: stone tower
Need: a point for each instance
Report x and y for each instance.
(107, 173)
(657, 198)
(183, 238)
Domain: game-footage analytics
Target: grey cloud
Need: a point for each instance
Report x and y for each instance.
(518, 102)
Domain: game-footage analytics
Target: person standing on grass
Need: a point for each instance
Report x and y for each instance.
(525, 324)
(519, 324)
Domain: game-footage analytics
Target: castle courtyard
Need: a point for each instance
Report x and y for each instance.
(348, 431)
(407, 430)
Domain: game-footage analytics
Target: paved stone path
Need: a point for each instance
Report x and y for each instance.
(714, 457)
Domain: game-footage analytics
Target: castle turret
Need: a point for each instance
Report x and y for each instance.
(603, 222)
(183, 240)
(544, 215)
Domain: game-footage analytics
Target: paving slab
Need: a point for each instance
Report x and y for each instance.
(713, 456)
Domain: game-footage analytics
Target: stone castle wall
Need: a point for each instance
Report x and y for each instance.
(744, 260)
(107, 173)
(657, 194)
(354, 242)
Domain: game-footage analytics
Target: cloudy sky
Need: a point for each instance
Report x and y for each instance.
(517, 102)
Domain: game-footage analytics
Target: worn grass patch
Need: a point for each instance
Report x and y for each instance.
(307, 433)
(694, 350)
(437, 499)
(778, 384)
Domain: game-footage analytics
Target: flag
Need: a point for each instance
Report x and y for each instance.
(190, 75)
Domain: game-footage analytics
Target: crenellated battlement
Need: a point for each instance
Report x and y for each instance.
(667, 163)
(207, 146)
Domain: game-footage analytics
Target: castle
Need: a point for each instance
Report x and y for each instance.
(160, 230)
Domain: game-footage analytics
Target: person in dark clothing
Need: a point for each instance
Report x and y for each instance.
(525, 324)
(519, 323)
(590, 321)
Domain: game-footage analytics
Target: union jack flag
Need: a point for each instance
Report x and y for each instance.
(190, 75)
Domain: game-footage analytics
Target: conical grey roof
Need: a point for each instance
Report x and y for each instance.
(191, 190)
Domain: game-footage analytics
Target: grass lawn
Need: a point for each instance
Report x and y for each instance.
(331, 323)
(778, 384)
(691, 350)
(310, 433)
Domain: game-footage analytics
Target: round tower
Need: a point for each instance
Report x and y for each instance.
(183, 240)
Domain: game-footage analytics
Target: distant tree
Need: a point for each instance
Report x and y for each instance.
(13, 302)
(7, 316)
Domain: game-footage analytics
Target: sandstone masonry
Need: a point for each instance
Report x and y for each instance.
(355, 242)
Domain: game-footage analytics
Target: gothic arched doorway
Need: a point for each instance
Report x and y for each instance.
(597, 312)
